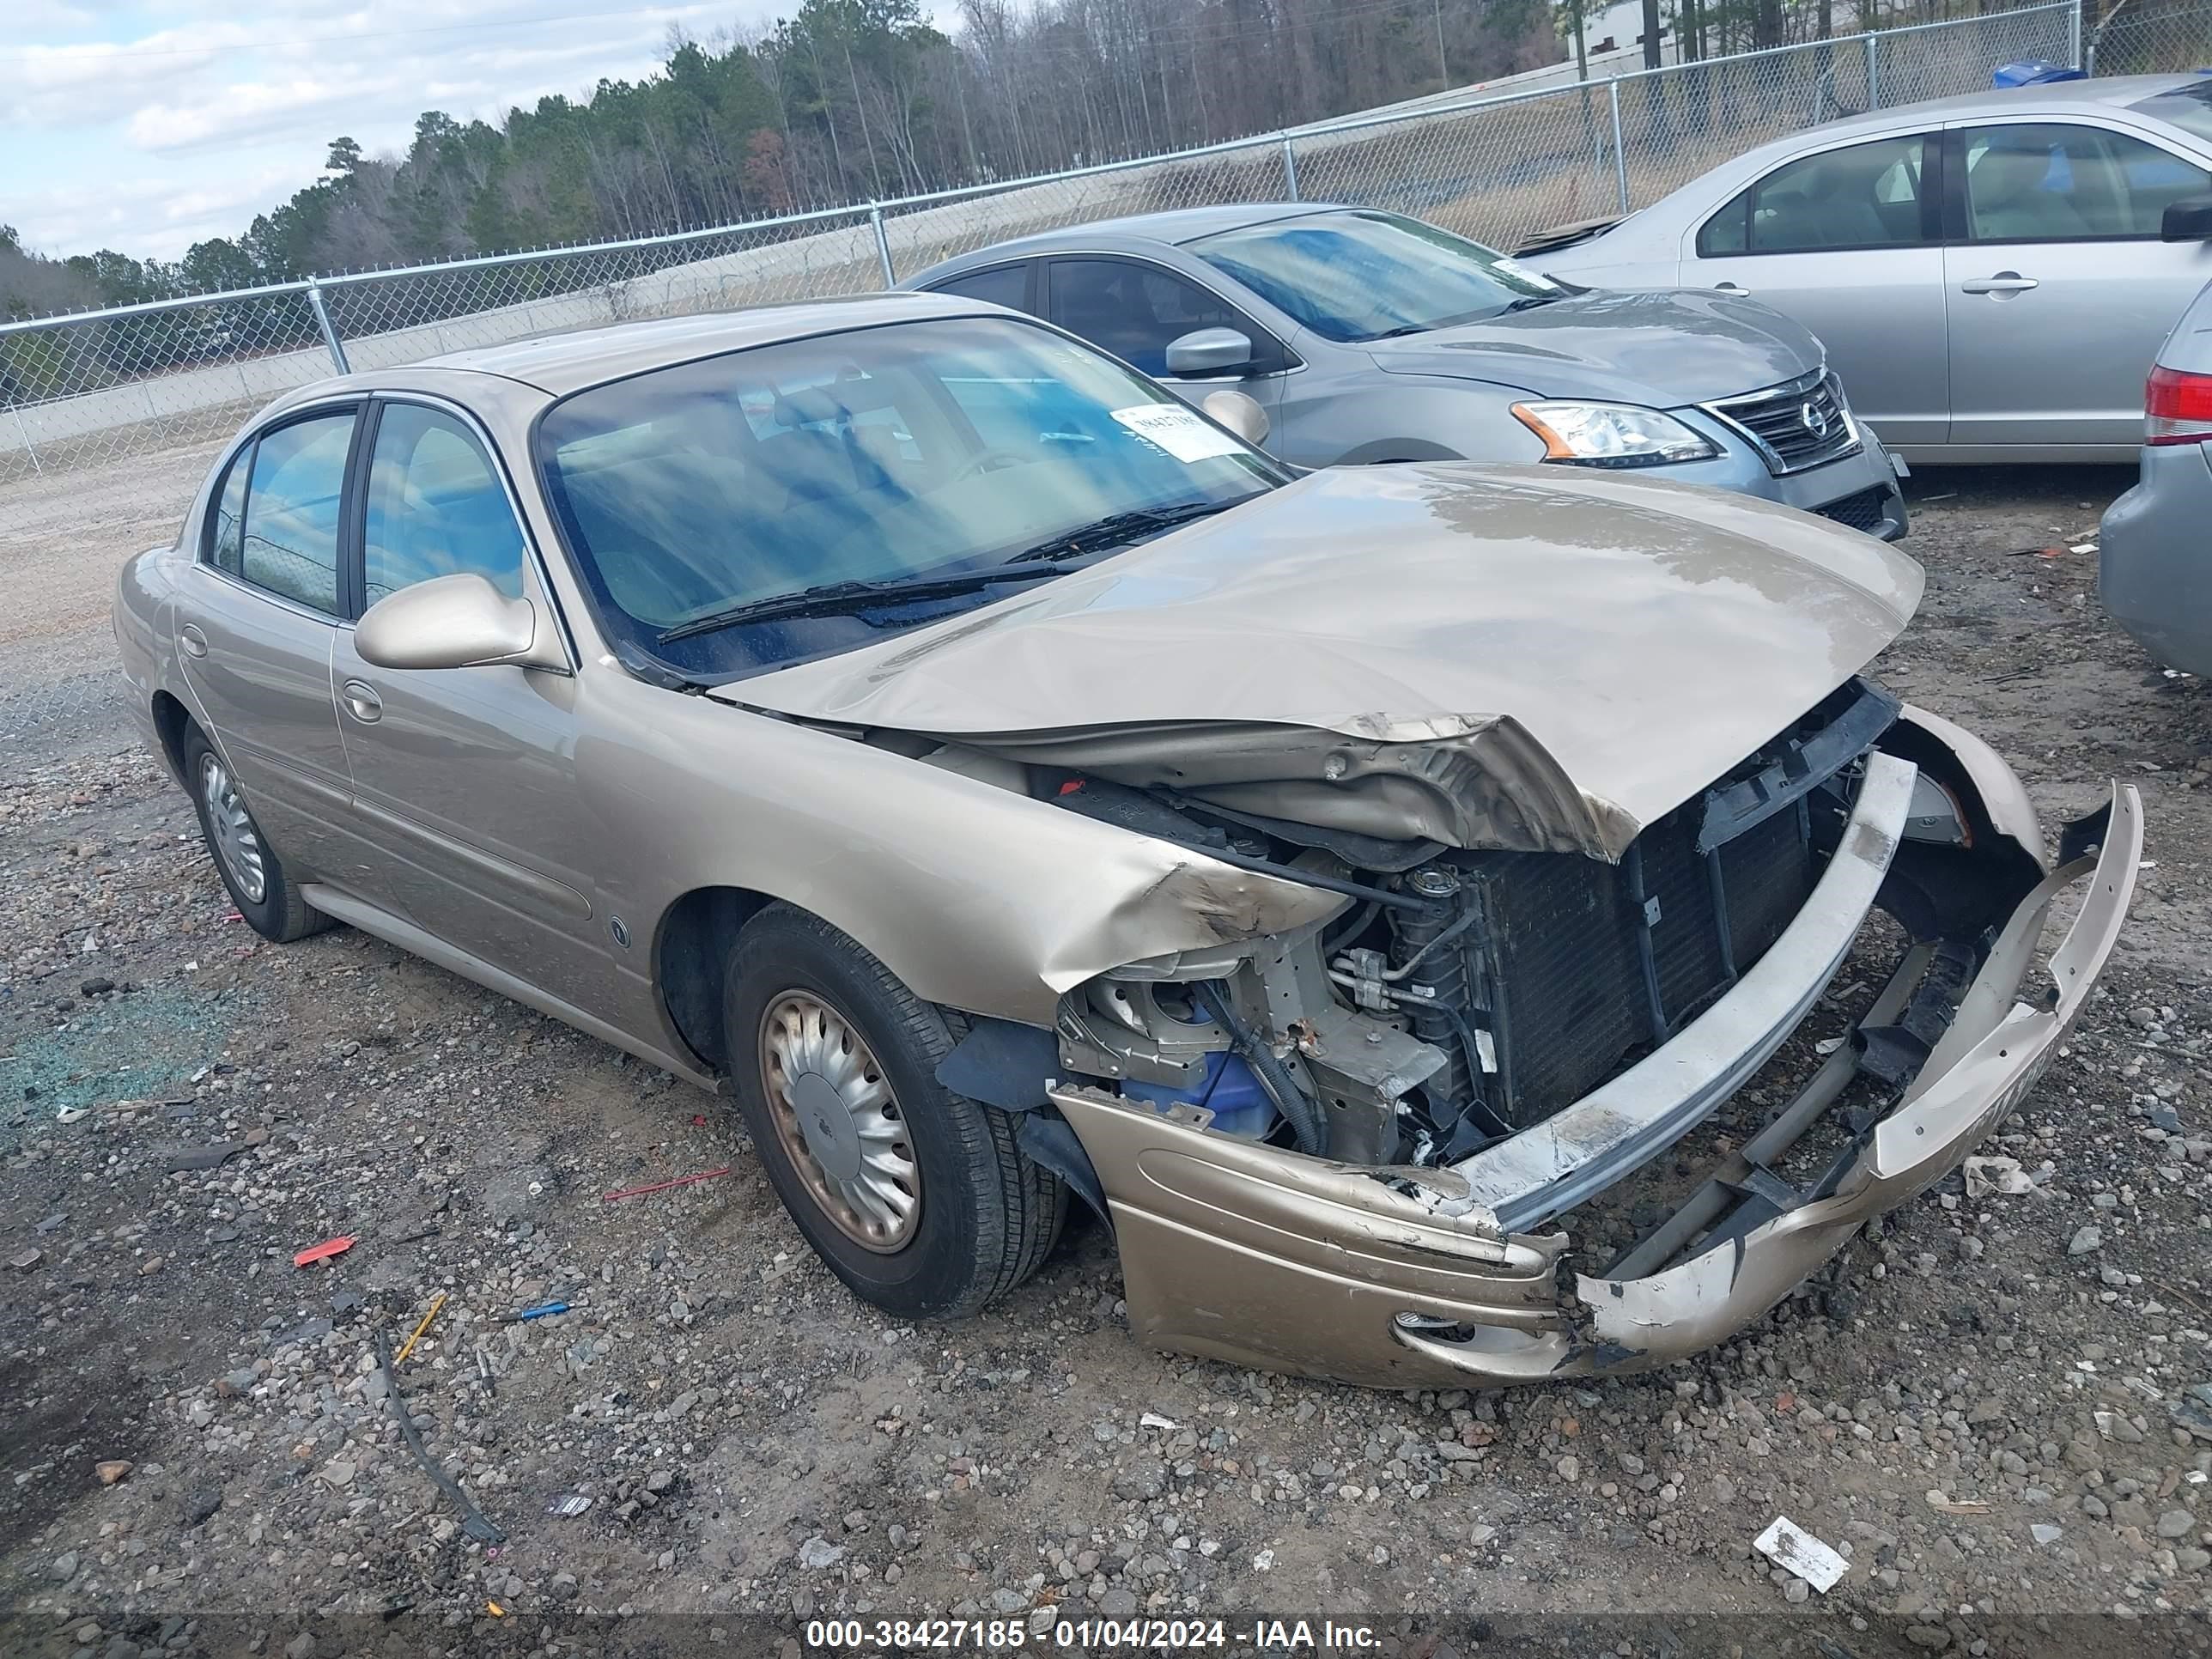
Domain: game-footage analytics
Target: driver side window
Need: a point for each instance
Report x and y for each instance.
(1863, 195)
(1134, 310)
(435, 506)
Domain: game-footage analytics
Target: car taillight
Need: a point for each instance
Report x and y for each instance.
(2176, 407)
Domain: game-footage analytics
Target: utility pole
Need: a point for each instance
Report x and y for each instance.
(1582, 47)
(1443, 75)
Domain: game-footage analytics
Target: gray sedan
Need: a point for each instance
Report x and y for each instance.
(1368, 336)
(2154, 572)
(1990, 274)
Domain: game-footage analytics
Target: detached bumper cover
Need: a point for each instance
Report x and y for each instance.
(1406, 1278)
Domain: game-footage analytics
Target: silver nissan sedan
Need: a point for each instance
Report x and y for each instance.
(1007, 782)
(1368, 337)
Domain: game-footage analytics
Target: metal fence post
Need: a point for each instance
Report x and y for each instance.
(29, 448)
(1873, 71)
(2074, 38)
(331, 340)
(882, 246)
(1619, 148)
(1290, 170)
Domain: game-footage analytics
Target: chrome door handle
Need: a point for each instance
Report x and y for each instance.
(2005, 281)
(192, 640)
(1730, 288)
(361, 701)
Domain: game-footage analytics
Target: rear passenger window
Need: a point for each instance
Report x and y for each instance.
(1003, 285)
(289, 544)
(435, 506)
(227, 529)
(2059, 181)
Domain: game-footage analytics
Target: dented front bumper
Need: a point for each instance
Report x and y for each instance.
(1397, 1277)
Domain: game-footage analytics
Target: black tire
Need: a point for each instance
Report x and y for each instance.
(280, 914)
(987, 1215)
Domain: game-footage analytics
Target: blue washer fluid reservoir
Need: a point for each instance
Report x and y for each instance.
(1240, 1106)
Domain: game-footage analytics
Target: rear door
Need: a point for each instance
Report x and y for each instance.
(465, 779)
(257, 617)
(1847, 241)
(1014, 286)
(2057, 286)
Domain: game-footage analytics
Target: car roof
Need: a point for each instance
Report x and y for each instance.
(2052, 98)
(1174, 228)
(561, 364)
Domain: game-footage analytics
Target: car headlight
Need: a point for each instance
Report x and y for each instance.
(1611, 434)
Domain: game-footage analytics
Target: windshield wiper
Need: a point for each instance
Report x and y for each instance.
(1436, 323)
(833, 598)
(1530, 301)
(1118, 529)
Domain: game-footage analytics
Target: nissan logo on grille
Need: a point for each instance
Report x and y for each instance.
(1815, 418)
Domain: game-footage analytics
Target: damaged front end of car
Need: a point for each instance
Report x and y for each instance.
(1340, 1150)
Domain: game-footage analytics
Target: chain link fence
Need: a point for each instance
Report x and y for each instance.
(111, 386)
(2144, 36)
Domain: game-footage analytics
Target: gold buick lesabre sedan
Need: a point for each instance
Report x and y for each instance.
(1007, 781)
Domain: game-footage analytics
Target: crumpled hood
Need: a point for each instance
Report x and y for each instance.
(1541, 658)
(1664, 348)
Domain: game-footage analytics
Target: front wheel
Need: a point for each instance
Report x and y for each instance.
(916, 1197)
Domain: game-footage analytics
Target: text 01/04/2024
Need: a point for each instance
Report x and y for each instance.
(1000, 1635)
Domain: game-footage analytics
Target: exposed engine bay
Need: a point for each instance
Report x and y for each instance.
(1340, 1147)
(1462, 996)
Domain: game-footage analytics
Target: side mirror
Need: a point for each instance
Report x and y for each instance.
(460, 621)
(2189, 220)
(1240, 414)
(1209, 351)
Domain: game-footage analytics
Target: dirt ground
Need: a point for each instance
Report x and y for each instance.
(1987, 1408)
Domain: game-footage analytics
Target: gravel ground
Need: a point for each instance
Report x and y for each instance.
(1987, 1407)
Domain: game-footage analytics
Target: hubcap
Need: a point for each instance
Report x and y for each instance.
(231, 828)
(839, 1121)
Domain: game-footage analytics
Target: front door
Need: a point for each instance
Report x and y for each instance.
(1846, 241)
(465, 779)
(257, 617)
(2058, 289)
(1134, 309)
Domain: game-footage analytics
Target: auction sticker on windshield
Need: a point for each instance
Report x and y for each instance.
(1515, 268)
(1177, 430)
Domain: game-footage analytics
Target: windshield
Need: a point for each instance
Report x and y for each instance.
(2189, 107)
(925, 455)
(1353, 277)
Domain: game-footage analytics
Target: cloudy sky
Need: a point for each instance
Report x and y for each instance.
(146, 125)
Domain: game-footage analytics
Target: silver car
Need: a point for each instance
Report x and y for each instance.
(1368, 336)
(2155, 560)
(1990, 274)
(1007, 784)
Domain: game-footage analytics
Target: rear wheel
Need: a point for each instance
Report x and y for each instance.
(253, 874)
(915, 1196)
